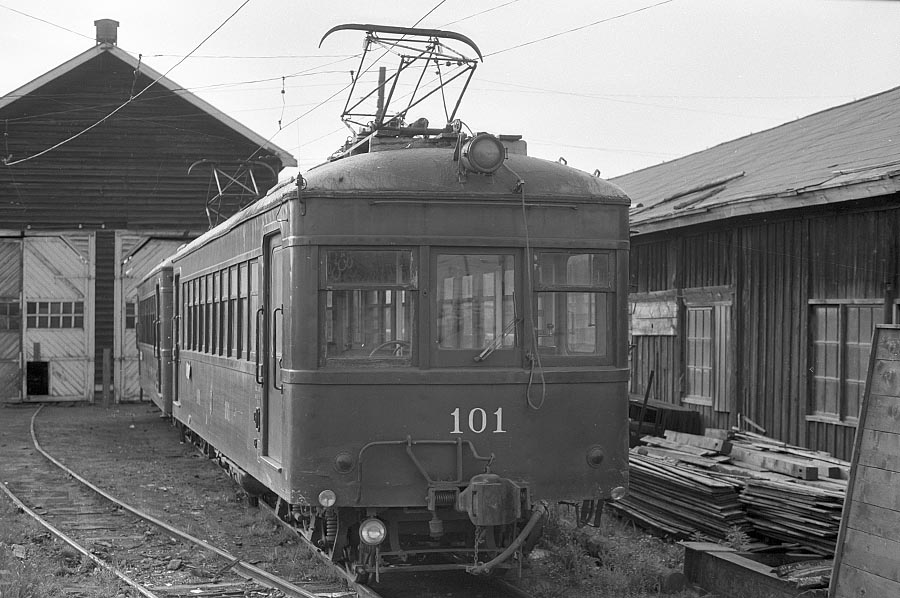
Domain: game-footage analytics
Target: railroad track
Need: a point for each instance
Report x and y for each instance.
(152, 557)
(148, 555)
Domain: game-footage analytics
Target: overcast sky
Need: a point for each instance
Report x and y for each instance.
(610, 85)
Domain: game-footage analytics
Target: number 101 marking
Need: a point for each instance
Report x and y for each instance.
(478, 421)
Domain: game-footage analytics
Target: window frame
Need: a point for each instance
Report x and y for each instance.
(327, 287)
(609, 289)
(503, 356)
(720, 301)
(842, 417)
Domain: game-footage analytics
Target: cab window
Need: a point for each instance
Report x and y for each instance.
(369, 307)
(574, 304)
(475, 308)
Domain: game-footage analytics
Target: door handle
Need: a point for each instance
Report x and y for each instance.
(275, 358)
(260, 378)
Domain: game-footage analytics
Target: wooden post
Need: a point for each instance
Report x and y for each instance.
(107, 374)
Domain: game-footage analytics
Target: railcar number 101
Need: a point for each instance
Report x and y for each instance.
(478, 421)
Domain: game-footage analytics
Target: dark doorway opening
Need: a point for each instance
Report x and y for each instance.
(38, 378)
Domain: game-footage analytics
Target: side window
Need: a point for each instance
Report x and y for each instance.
(368, 298)
(841, 342)
(574, 312)
(699, 363)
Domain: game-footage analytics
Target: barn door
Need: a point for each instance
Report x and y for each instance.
(10, 320)
(272, 415)
(58, 336)
(137, 256)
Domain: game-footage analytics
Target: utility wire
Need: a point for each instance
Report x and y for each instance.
(561, 33)
(128, 101)
(25, 14)
(478, 14)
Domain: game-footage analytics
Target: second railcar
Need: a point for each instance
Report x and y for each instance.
(154, 334)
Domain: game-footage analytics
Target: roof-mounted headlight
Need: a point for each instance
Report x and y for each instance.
(483, 153)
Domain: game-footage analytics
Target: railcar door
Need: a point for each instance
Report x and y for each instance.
(273, 310)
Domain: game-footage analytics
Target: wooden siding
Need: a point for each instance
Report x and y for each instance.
(649, 267)
(706, 259)
(775, 268)
(130, 172)
(773, 318)
(659, 354)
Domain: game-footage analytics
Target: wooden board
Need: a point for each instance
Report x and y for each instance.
(866, 561)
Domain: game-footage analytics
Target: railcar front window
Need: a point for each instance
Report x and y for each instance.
(574, 303)
(369, 308)
(476, 301)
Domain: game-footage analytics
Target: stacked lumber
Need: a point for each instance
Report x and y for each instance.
(742, 481)
(795, 513)
(681, 501)
(795, 461)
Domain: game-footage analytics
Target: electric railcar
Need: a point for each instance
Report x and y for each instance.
(412, 348)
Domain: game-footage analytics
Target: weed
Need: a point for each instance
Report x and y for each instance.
(614, 559)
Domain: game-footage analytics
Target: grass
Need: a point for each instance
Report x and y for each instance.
(49, 567)
(24, 577)
(614, 560)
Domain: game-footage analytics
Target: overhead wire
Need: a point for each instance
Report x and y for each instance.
(6, 160)
(30, 16)
(580, 28)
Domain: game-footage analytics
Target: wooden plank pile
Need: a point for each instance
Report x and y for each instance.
(794, 495)
(726, 482)
(680, 501)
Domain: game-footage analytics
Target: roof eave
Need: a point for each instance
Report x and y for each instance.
(770, 203)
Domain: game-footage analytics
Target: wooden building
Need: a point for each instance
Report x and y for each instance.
(759, 268)
(94, 189)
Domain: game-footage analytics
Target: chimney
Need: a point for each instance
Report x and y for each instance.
(106, 31)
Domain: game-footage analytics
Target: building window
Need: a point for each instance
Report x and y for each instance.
(707, 350)
(841, 335)
(129, 315)
(55, 314)
(10, 315)
(699, 355)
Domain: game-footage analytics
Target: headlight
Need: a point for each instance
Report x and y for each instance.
(483, 153)
(327, 498)
(618, 493)
(372, 532)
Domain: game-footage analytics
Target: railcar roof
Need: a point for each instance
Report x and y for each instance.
(432, 171)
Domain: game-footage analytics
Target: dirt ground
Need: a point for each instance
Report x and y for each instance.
(138, 456)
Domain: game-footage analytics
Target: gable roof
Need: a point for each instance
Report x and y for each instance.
(843, 153)
(286, 158)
